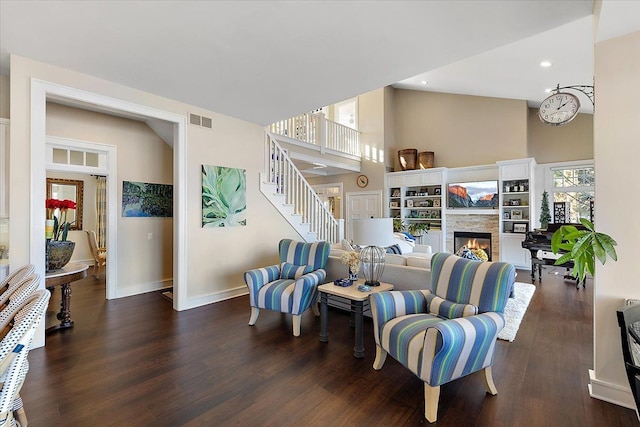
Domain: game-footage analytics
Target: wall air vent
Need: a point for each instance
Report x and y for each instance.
(205, 122)
(194, 119)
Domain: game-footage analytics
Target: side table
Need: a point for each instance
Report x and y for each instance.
(357, 298)
(63, 277)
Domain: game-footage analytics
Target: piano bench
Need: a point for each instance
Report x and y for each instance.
(537, 262)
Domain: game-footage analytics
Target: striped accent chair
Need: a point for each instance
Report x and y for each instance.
(291, 286)
(449, 330)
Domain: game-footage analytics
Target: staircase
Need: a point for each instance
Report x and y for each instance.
(290, 193)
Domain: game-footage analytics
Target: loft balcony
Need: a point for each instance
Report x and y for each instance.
(318, 146)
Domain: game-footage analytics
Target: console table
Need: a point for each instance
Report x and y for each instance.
(64, 277)
(357, 299)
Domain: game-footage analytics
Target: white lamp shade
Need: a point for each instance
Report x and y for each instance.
(373, 231)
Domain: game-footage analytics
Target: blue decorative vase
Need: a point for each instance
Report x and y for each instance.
(353, 276)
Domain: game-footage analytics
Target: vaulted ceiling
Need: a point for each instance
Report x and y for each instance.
(266, 60)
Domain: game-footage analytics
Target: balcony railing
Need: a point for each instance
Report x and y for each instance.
(315, 129)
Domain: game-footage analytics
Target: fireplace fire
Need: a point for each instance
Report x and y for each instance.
(472, 240)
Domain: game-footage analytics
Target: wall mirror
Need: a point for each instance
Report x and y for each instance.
(68, 189)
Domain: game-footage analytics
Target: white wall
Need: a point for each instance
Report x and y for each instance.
(616, 130)
(215, 258)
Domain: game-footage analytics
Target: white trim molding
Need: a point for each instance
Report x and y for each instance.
(40, 92)
(609, 392)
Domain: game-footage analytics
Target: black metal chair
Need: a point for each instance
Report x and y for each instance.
(629, 322)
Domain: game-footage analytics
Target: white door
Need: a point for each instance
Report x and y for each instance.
(362, 205)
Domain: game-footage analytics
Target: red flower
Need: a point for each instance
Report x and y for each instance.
(52, 203)
(60, 226)
(67, 204)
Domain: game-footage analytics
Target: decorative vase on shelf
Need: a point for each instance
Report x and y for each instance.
(58, 254)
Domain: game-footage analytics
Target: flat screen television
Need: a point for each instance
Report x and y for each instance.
(475, 194)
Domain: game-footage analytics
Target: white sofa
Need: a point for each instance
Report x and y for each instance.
(410, 270)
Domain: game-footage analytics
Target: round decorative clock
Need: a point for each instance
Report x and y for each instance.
(362, 181)
(559, 108)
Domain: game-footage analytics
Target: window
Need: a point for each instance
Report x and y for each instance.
(346, 113)
(575, 186)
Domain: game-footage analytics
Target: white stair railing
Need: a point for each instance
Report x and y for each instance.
(289, 182)
(340, 138)
(302, 128)
(315, 129)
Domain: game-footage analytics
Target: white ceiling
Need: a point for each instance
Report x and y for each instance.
(267, 60)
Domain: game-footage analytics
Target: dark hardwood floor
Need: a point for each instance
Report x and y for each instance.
(136, 362)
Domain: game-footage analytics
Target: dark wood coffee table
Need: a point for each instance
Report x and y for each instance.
(357, 299)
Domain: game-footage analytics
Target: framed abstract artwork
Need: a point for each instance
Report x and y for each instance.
(224, 196)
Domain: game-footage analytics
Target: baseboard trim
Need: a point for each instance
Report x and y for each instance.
(609, 392)
(217, 297)
(142, 288)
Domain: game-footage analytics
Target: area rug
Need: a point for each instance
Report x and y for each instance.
(515, 310)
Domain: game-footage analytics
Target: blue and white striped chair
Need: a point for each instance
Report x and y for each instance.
(446, 332)
(292, 286)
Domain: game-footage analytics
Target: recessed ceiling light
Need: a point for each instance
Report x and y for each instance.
(424, 82)
(319, 165)
(545, 64)
(548, 90)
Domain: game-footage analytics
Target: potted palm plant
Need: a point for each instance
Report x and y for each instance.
(582, 247)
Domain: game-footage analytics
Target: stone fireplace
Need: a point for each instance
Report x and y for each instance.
(472, 240)
(474, 223)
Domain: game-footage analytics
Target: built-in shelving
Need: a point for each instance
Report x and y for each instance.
(516, 209)
(419, 197)
(416, 197)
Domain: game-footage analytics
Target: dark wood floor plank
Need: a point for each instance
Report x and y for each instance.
(137, 362)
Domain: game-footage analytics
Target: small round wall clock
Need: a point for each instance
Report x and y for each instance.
(559, 108)
(362, 181)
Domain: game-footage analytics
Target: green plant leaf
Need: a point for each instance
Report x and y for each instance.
(575, 235)
(582, 247)
(556, 240)
(578, 269)
(566, 246)
(563, 259)
(598, 249)
(607, 244)
(588, 224)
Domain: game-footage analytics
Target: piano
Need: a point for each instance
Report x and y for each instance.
(540, 240)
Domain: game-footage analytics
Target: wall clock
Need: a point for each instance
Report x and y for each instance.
(559, 109)
(362, 181)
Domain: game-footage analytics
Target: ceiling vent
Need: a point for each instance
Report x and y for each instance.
(205, 122)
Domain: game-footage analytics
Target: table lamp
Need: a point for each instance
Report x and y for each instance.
(375, 234)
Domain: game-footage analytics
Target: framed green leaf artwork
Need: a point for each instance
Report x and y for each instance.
(224, 196)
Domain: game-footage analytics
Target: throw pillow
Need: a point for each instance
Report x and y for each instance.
(393, 249)
(448, 309)
(292, 271)
(346, 245)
